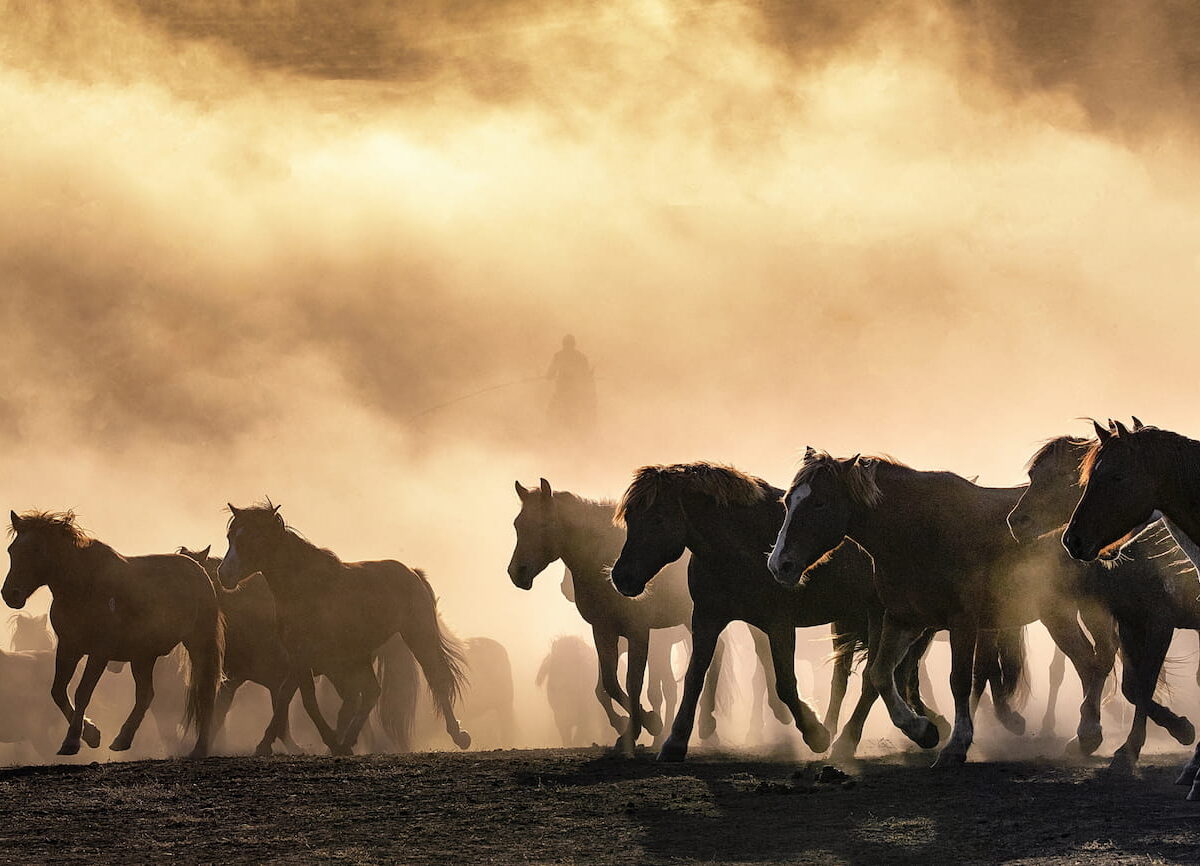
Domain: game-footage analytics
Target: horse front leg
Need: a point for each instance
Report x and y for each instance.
(66, 661)
(608, 688)
(634, 677)
(962, 663)
(1064, 628)
(843, 659)
(783, 659)
(279, 727)
(143, 694)
(894, 641)
(92, 671)
(706, 630)
(847, 742)
(308, 696)
(367, 691)
(1058, 670)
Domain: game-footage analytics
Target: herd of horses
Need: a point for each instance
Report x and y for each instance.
(885, 555)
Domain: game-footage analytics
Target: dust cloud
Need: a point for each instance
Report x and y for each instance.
(253, 247)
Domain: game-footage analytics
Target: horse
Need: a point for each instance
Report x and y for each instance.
(31, 632)
(1147, 594)
(334, 616)
(487, 703)
(565, 673)
(560, 525)
(26, 714)
(726, 519)
(109, 607)
(943, 558)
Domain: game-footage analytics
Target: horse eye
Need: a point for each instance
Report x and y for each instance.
(819, 503)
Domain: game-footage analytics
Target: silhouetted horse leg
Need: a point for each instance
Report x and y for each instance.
(1101, 626)
(225, 695)
(843, 648)
(783, 656)
(608, 688)
(1064, 628)
(1058, 669)
(667, 688)
(758, 705)
(989, 672)
(66, 660)
(848, 740)
(911, 669)
(705, 632)
(366, 690)
(634, 676)
(1145, 649)
(708, 696)
(962, 663)
(764, 653)
(279, 728)
(143, 682)
(894, 642)
(92, 672)
(308, 696)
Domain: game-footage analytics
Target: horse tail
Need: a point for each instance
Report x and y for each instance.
(1014, 668)
(442, 656)
(544, 670)
(206, 653)
(399, 683)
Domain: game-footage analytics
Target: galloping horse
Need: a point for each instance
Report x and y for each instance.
(115, 608)
(1147, 593)
(559, 525)
(334, 616)
(1131, 477)
(943, 559)
(727, 520)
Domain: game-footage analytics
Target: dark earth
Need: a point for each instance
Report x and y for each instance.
(587, 806)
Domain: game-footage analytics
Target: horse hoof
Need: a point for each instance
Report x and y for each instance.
(1122, 763)
(652, 723)
(708, 727)
(263, 751)
(1188, 775)
(673, 751)
(462, 739)
(1014, 723)
(1089, 741)
(120, 744)
(91, 735)
(817, 738)
(950, 758)
(69, 747)
(924, 733)
(1183, 731)
(843, 750)
(197, 753)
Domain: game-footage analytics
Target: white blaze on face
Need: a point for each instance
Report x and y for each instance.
(798, 495)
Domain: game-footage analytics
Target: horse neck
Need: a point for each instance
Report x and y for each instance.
(75, 573)
(588, 544)
(723, 530)
(1176, 471)
(292, 565)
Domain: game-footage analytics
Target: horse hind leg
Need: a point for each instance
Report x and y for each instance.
(366, 693)
(143, 679)
(92, 672)
(1058, 670)
(441, 659)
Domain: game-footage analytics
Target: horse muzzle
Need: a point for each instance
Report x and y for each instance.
(521, 576)
(14, 598)
(1077, 549)
(625, 579)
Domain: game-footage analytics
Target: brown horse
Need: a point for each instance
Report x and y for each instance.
(1130, 477)
(115, 608)
(1148, 594)
(555, 525)
(335, 616)
(943, 559)
(565, 673)
(727, 520)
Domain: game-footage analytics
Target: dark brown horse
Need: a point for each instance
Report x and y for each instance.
(335, 616)
(727, 520)
(1146, 590)
(1131, 477)
(109, 607)
(554, 525)
(943, 558)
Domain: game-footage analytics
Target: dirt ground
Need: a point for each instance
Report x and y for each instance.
(587, 806)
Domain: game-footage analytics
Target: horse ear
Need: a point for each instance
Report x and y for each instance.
(545, 487)
(1137, 423)
(522, 493)
(232, 509)
(809, 452)
(15, 519)
(1101, 434)
(275, 509)
(1121, 429)
(204, 553)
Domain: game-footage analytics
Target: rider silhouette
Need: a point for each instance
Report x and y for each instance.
(573, 405)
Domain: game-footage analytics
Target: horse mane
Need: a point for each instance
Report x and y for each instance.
(724, 484)
(59, 522)
(1053, 444)
(858, 474)
(1179, 449)
(266, 508)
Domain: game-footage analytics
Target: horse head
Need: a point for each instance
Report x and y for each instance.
(254, 534)
(537, 534)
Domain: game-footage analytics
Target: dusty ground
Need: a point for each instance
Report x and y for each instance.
(585, 806)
